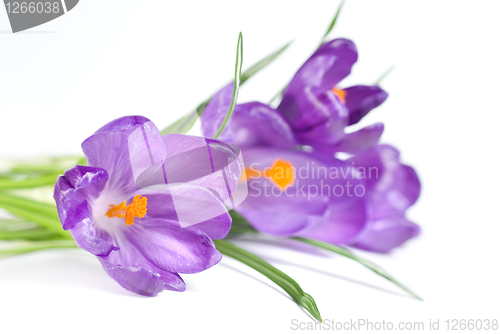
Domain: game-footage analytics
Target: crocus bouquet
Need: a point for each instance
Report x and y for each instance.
(151, 204)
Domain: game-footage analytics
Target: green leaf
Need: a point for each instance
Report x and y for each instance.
(236, 88)
(277, 276)
(30, 234)
(32, 182)
(386, 73)
(262, 63)
(332, 24)
(36, 246)
(43, 166)
(368, 264)
(239, 225)
(186, 122)
(44, 215)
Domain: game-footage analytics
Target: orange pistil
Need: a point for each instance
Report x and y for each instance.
(137, 209)
(341, 94)
(281, 173)
(249, 173)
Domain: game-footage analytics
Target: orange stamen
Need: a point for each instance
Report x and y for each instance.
(137, 209)
(249, 173)
(281, 173)
(341, 94)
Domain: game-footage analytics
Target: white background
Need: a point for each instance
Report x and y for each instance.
(61, 81)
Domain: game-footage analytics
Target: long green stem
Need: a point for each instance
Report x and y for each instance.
(236, 87)
(37, 246)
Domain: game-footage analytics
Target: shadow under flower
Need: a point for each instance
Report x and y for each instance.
(267, 284)
(60, 268)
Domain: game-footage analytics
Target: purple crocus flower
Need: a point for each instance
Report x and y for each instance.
(391, 188)
(318, 110)
(125, 207)
(372, 219)
(290, 191)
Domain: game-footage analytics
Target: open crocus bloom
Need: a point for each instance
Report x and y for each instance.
(319, 111)
(290, 192)
(124, 207)
(360, 202)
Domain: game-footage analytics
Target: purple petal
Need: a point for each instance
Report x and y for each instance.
(360, 140)
(311, 107)
(142, 281)
(391, 186)
(215, 112)
(256, 124)
(190, 205)
(281, 223)
(330, 64)
(73, 189)
(283, 212)
(205, 162)
(343, 222)
(383, 235)
(159, 243)
(94, 241)
(360, 100)
(125, 148)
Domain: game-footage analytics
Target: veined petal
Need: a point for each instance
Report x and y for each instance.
(190, 205)
(142, 281)
(74, 188)
(204, 162)
(94, 241)
(327, 66)
(317, 117)
(360, 100)
(125, 148)
(256, 124)
(159, 243)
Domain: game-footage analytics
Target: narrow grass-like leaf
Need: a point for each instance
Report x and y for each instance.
(262, 63)
(32, 182)
(42, 214)
(277, 276)
(368, 264)
(386, 73)
(186, 122)
(38, 167)
(236, 87)
(332, 24)
(36, 246)
(30, 234)
(239, 225)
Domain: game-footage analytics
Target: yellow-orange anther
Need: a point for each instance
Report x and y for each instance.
(249, 173)
(340, 93)
(281, 173)
(137, 209)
